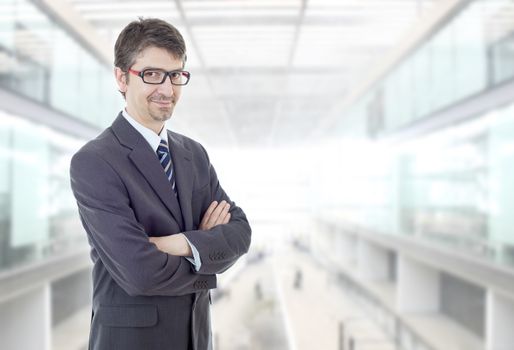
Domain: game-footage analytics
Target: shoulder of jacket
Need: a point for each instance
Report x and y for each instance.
(102, 145)
(185, 141)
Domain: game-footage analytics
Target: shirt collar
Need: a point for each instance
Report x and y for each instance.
(149, 135)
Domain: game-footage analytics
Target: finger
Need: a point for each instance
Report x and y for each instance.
(227, 219)
(208, 213)
(223, 213)
(223, 216)
(216, 213)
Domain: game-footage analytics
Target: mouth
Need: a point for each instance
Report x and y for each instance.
(162, 103)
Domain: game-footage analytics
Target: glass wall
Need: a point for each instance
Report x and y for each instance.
(43, 62)
(40, 60)
(445, 193)
(38, 212)
(451, 187)
(470, 54)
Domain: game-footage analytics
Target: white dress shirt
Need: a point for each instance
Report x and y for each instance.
(154, 140)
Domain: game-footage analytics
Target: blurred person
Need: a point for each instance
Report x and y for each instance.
(258, 290)
(298, 279)
(159, 224)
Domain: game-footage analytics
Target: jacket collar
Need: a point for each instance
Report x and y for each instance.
(147, 162)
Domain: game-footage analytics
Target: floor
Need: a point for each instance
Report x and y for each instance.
(289, 301)
(285, 301)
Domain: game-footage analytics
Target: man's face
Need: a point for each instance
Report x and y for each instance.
(150, 104)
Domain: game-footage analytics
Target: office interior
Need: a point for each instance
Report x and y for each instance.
(370, 143)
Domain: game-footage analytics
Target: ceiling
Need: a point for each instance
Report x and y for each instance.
(266, 72)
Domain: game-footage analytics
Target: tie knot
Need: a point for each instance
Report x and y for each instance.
(163, 147)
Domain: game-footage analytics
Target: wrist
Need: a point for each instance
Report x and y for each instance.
(186, 247)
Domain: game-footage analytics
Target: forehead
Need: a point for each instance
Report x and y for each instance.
(157, 57)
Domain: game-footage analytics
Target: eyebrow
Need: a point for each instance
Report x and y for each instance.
(156, 68)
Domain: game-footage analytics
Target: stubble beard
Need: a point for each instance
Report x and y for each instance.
(162, 114)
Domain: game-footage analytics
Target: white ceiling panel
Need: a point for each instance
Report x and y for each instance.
(235, 46)
(265, 70)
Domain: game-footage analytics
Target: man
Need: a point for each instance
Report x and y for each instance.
(159, 224)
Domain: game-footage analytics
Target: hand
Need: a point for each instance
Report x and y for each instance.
(173, 244)
(216, 214)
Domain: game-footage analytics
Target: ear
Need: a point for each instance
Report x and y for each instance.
(121, 79)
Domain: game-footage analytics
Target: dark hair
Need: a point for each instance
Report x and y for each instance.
(141, 34)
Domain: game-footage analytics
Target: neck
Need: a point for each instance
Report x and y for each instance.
(154, 125)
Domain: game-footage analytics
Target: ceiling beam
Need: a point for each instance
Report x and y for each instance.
(67, 16)
(18, 105)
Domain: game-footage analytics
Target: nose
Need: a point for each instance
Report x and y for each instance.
(166, 88)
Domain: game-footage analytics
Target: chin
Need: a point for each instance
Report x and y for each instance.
(167, 115)
(162, 115)
(161, 118)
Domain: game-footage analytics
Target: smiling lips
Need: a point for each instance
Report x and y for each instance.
(162, 103)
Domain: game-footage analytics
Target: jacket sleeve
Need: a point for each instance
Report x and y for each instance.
(221, 246)
(119, 240)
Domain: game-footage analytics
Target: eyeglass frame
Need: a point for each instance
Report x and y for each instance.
(166, 75)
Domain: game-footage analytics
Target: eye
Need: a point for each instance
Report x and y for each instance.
(152, 74)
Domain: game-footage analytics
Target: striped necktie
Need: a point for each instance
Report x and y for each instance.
(163, 152)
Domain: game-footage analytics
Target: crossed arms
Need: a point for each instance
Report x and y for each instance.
(216, 214)
(121, 244)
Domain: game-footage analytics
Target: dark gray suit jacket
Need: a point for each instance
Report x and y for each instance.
(144, 299)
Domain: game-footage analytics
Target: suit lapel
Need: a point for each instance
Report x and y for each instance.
(146, 161)
(184, 178)
(154, 174)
